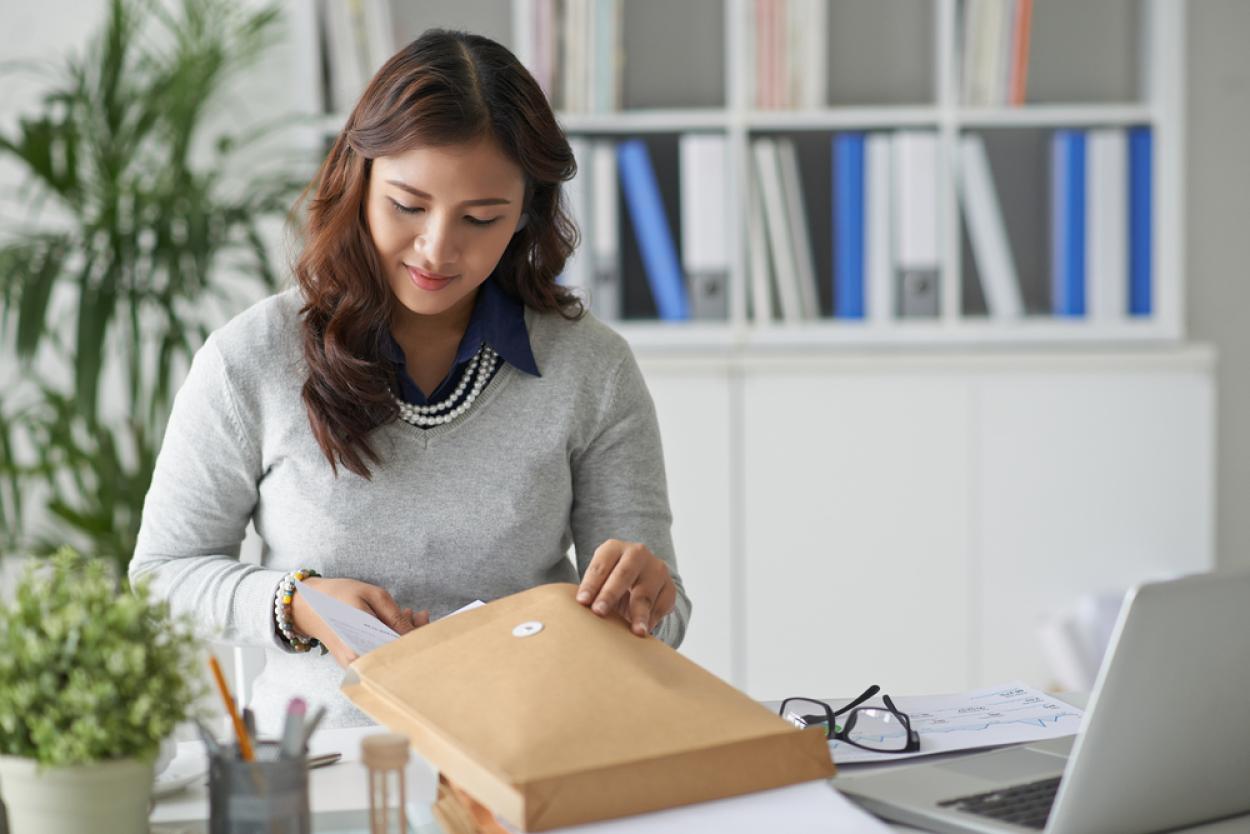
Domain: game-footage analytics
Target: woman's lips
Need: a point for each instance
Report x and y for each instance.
(428, 281)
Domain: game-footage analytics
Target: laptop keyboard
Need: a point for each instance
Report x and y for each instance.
(1027, 805)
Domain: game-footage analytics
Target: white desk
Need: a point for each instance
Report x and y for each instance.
(339, 794)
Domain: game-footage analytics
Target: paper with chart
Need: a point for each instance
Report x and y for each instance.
(360, 630)
(1011, 714)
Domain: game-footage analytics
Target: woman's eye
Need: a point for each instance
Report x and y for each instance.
(473, 221)
(403, 209)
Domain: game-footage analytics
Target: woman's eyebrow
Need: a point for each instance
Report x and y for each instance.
(484, 201)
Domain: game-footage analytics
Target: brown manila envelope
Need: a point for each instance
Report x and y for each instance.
(552, 716)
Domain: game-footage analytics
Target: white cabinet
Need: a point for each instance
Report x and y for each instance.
(906, 519)
(1087, 480)
(856, 491)
(693, 404)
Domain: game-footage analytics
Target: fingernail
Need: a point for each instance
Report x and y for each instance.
(601, 608)
(640, 627)
(583, 596)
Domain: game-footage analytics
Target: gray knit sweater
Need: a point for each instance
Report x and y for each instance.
(485, 506)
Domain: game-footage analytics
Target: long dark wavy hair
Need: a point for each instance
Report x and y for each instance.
(443, 88)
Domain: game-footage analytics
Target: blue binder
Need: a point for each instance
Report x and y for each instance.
(655, 240)
(1140, 209)
(848, 226)
(1068, 223)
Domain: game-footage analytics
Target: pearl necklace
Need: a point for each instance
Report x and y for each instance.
(479, 369)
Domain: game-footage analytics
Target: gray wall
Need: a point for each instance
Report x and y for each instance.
(1218, 242)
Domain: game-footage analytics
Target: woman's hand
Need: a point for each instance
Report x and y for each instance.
(628, 578)
(368, 598)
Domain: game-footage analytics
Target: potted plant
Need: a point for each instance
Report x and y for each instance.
(92, 679)
(138, 233)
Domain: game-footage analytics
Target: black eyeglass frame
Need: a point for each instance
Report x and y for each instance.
(843, 734)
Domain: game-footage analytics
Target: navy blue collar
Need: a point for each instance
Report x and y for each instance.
(497, 320)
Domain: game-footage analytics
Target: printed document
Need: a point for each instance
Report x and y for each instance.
(359, 630)
(1010, 714)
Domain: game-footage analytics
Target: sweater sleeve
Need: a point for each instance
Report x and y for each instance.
(195, 515)
(619, 486)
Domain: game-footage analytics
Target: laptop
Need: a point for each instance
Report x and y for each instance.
(1165, 740)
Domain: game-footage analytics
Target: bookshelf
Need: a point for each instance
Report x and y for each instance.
(890, 65)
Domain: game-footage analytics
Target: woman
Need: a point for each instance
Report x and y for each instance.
(427, 418)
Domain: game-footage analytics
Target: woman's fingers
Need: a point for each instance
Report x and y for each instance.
(629, 579)
(644, 597)
(344, 655)
(633, 560)
(339, 650)
(664, 603)
(597, 572)
(386, 609)
(360, 595)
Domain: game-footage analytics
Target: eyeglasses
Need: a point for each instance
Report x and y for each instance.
(869, 728)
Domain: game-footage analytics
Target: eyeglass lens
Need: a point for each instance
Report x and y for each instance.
(803, 713)
(876, 729)
(873, 728)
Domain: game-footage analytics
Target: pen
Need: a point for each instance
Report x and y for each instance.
(323, 760)
(249, 722)
(311, 726)
(210, 741)
(245, 742)
(293, 731)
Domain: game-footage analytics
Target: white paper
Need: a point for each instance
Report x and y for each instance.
(807, 808)
(359, 630)
(477, 603)
(1009, 714)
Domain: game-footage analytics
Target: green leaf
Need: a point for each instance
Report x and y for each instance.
(41, 274)
(174, 342)
(148, 232)
(95, 310)
(10, 486)
(89, 673)
(94, 525)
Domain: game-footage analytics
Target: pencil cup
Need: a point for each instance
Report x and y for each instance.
(265, 796)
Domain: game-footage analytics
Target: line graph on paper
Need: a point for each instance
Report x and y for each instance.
(1011, 714)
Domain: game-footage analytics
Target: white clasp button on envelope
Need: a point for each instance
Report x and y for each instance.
(527, 629)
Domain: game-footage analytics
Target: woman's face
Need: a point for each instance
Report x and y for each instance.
(440, 218)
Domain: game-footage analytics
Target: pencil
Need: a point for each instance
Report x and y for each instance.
(245, 742)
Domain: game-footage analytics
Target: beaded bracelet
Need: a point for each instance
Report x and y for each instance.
(282, 611)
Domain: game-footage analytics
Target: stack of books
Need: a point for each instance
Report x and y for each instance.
(791, 53)
(616, 193)
(575, 51)
(884, 229)
(995, 52)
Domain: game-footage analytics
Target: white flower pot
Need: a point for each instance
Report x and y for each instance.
(109, 796)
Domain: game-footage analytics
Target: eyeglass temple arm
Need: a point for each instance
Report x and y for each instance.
(902, 716)
(868, 693)
(889, 704)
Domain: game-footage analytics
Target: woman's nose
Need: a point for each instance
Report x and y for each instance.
(437, 244)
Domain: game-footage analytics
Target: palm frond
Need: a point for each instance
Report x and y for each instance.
(111, 144)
